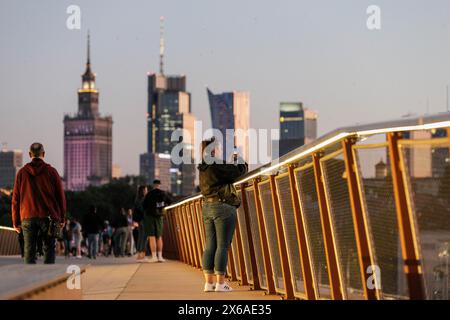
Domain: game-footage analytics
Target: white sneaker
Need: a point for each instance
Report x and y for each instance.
(78, 257)
(153, 259)
(209, 287)
(143, 260)
(161, 259)
(224, 287)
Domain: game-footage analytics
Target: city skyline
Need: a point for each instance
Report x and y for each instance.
(323, 52)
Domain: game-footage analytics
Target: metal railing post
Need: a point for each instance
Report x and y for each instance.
(198, 237)
(194, 233)
(251, 246)
(287, 277)
(410, 251)
(333, 271)
(233, 276)
(189, 225)
(362, 240)
(187, 236)
(198, 210)
(173, 234)
(301, 236)
(180, 234)
(264, 241)
(240, 255)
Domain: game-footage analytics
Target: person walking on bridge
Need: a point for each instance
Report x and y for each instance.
(219, 211)
(38, 205)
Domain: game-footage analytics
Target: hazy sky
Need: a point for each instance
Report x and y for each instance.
(318, 52)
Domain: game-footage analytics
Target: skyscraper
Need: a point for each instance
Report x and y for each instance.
(231, 110)
(87, 138)
(10, 163)
(168, 109)
(298, 126)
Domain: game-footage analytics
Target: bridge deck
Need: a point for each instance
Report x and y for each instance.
(124, 279)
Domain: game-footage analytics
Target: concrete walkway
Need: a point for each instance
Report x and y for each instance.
(172, 280)
(124, 279)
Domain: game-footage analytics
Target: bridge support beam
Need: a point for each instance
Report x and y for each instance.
(264, 241)
(408, 240)
(301, 236)
(333, 270)
(251, 245)
(362, 240)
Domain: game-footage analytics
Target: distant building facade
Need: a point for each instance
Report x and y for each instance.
(381, 170)
(168, 109)
(231, 110)
(116, 171)
(10, 163)
(87, 139)
(298, 126)
(427, 160)
(156, 166)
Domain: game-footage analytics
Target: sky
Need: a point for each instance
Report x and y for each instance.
(318, 52)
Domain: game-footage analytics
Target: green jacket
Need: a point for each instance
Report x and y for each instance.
(217, 179)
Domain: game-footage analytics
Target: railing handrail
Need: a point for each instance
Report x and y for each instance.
(427, 122)
(7, 228)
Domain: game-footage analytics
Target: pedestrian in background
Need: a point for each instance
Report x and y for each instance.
(67, 238)
(77, 237)
(92, 226)
(120, 233)
(154, 204)
(138, 216)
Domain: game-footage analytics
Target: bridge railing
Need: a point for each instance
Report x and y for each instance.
(9, 242)
(361, 213)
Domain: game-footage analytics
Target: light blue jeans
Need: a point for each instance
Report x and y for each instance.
(220, 221)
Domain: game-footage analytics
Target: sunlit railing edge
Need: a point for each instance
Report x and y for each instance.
(427, 122)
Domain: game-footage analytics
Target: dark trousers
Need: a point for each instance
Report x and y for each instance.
(21, 244)
(141, 243)
(220, 221)
(120, 241)
(36, 230)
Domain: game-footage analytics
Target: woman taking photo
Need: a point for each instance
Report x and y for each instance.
(219, 212)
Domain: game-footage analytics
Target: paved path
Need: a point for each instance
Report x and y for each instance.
(124, 279)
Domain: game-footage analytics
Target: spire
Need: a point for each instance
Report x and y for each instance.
(161, 45)
(88, 77)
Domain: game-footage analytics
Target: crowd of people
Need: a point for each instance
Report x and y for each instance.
(133, 231)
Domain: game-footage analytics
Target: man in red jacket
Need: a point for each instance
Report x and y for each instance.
(38, 198)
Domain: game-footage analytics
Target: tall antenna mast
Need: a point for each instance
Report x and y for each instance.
(161, 45)
(89, 48)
